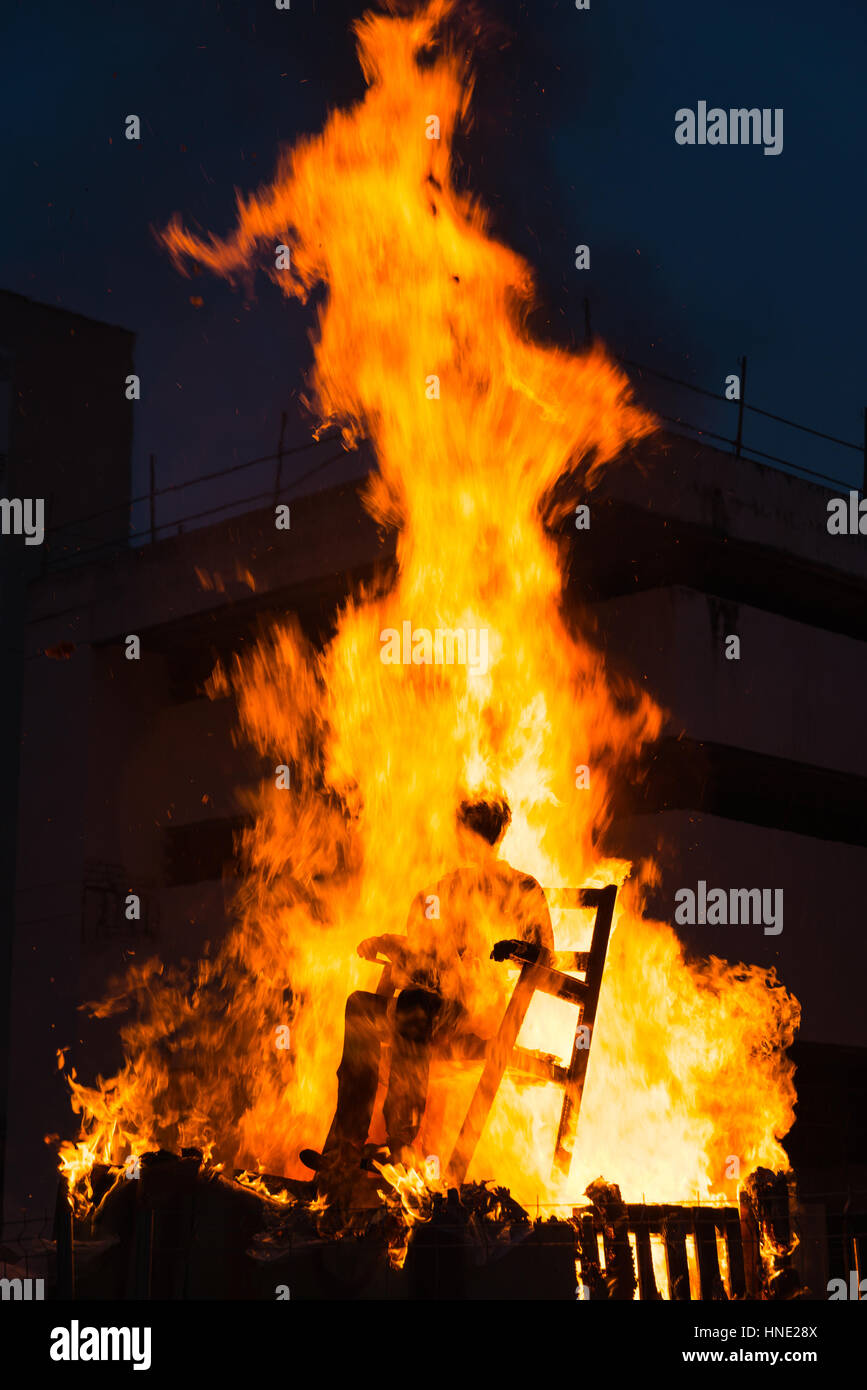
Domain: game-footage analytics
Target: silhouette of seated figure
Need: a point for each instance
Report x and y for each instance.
(451, 996)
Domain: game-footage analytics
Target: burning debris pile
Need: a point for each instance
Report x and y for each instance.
(422, 348)
(184, 1230)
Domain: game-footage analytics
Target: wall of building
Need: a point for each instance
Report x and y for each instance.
(66, 439)
(796, 691)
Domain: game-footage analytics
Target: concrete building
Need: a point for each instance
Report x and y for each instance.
(65, 438)
(128, 773)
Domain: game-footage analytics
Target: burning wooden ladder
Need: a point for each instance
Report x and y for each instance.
(545, 971)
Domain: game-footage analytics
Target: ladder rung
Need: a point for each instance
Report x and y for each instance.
(560, 985)
(576, 897)
(569, 960)
(538, 1064)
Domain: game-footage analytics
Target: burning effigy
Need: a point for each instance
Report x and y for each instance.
(455, 671)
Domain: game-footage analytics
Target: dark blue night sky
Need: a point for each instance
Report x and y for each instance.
(698, 254)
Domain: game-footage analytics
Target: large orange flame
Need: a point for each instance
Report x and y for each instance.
(422, 347)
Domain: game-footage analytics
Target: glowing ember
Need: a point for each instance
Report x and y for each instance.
(422, 348)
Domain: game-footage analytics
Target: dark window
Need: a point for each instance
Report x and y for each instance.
(103, 905)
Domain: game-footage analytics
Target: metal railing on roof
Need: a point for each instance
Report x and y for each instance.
(279, 490)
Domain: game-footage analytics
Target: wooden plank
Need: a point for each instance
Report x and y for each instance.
(647, 1290)
(538, 1065)
(735, 1252)
(588, 1252)
(750, 1247)
(560, 985)
(612, 1217)
(711, 1286)
(569, 960)
(572, 898)
(549, 979)
(676, 1260)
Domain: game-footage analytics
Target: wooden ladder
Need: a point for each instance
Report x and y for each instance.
(545, 971)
